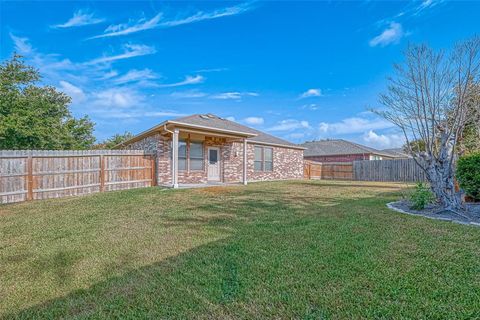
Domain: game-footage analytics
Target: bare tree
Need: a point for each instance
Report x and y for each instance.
(429, 99)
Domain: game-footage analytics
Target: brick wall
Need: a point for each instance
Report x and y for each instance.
(287, 164)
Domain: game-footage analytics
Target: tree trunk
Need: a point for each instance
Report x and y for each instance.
(442, 182)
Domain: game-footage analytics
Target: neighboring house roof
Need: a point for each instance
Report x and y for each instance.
(334, 147)
(216, 123)
(397, 152)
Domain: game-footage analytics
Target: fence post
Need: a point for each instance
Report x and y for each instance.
(29, 178)
(153, 164)
(102, 174)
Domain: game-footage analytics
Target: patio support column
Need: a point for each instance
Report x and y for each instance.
(175, 159)
(245, 161)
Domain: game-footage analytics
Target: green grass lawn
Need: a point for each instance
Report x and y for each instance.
(299, 249)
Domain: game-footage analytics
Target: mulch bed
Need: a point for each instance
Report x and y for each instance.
(470, 216)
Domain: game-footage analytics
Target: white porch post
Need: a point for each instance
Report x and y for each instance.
(175, 159)
(245, 160)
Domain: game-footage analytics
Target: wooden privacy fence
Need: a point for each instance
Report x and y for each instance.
(397, 170)
(328, 170)
(31, 174)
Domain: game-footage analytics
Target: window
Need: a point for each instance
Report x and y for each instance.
(196, 156)
(213, 156)
(268, 159)
(258, 159)
(182, 155)
(263, 159)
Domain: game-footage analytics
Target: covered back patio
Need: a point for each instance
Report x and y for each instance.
(206, 156)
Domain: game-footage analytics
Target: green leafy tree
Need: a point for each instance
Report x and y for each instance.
(470, 142)
(37, 117)
(116, 139)
(468, 174)
(415, 146)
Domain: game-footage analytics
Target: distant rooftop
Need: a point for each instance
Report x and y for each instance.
(331, 147)
(397, 152)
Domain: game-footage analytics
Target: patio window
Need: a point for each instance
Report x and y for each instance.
(263, 159)
(196, 155)
(182, 155)
(267, 159)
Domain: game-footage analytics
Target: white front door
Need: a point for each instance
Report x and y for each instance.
(214, 164)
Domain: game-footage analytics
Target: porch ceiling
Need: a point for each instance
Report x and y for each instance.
(205, 131)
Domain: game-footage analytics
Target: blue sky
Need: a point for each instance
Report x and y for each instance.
(298, 70)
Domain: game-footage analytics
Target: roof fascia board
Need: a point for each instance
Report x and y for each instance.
(276, 145)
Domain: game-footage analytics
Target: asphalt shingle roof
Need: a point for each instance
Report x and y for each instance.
(397, 152)
(215, 122)
(337, 147)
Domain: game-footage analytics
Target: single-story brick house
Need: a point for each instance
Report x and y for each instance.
(204, 148)
(339, 150)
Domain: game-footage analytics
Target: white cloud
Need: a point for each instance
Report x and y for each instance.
(80, 18)
(164, 114)
(73, 91)
(200, 16)
(188, 80)
(117, 98)
(109, 75)
(390, 35)
(353, 125)
(311, 106)
(253, 120)
(233, 95)
(412, 10)
(130, 27)
(296, 136)
(211, 70)
(198, 94)
(21, 45)
(136, 75)
(124, 103)
(188, 94)
(311, 93)
(424, 5)
(51, 66)
(156, 21)
(383, 141)
(130, 51)
(289, 125)
(230, 118)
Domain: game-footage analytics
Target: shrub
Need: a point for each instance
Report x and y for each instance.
(468, 174)
(421, 196)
